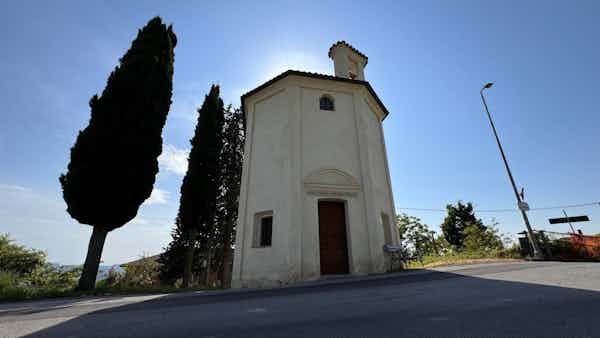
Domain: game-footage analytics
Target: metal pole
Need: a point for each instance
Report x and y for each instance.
(569, 220)
(536, 249)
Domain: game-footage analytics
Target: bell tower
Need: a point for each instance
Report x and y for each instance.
(348, 62)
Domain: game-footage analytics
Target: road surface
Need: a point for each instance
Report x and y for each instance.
(523, 299)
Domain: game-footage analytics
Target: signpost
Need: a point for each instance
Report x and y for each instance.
(523, 206)
(569, 220)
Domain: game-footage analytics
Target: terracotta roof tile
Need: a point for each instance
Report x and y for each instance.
(344, 43)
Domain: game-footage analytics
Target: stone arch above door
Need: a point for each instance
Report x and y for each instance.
(331, 181)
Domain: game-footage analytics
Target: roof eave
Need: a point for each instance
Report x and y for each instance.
(314, 76)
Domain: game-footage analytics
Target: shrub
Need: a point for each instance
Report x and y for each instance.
(47, 280)
(564, 249)
(416, 236)
(24, 273)
(481, 239)
(18, 259)
(113, 278)
(141, 273)
(512, 252)
(7, 280)
(53, 277)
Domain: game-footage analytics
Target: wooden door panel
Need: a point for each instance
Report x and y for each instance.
(332, 238)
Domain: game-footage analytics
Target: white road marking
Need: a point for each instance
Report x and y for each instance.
(16, 309)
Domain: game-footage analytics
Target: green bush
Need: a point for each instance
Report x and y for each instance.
(9, 286)
(7, 280)
(113, 279)
(44, 281)
(50, 276)
(24, 273)
(142, 273)
(481, 239)
(416, 236)
(513, 252)
(18, 259)
(30, 276)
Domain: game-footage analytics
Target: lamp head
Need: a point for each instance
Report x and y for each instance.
(488, 85)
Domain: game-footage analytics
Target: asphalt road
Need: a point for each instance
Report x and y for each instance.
(526, 299)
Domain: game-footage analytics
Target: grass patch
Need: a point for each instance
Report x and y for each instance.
(458, 258)
(31, 293)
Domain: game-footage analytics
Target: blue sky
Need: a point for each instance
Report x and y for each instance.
(427, 62)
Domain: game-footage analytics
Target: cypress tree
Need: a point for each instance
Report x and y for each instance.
(114, 160)
(171, 260)
(216, 242)
(231, 166)
(200, 187)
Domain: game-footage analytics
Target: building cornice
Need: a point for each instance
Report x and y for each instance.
(285, 74)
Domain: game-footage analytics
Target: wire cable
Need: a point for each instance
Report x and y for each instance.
(511, 210)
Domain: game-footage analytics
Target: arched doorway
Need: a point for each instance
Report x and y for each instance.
(332, 237)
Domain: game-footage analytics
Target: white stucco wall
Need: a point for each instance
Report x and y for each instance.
(290, 139)
(343, 58)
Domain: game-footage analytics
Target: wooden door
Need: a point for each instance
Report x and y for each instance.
(332, 238)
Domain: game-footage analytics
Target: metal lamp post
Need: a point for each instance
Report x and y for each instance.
(522, 205)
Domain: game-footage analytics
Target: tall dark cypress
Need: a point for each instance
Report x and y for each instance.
(201, 184)
(171, 260)
(114, 160)
(231, 166)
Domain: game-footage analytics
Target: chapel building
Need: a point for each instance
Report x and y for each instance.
(316, 195)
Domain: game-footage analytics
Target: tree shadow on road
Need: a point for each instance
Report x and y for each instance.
(431, 303)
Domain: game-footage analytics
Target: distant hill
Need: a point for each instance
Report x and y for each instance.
(103, 269)
(141, 260)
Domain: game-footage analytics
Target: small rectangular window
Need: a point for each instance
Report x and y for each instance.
(266, 230)
(263, 229)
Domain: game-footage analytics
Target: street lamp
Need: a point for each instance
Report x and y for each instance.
(522, 205)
